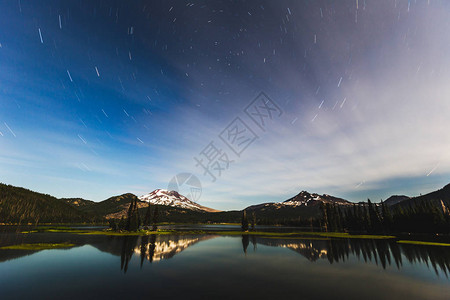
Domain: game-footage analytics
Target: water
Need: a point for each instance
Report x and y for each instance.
(224, 267)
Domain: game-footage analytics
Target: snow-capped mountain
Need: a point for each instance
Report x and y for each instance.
(174, 199)
(307, 199)
(302, 199)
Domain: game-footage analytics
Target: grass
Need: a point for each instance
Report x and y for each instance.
(352, 236)
(303, 235)
(423, 243)
(38, 246)
(54, 229)
(126, 233)
(290, 235)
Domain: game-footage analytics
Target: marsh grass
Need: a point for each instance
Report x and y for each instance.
(37, 246)
(304, 235)
(274, 235)
(423, 243)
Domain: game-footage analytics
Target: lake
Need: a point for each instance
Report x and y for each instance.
(221, 267)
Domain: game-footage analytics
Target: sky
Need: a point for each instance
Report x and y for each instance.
(258, 100)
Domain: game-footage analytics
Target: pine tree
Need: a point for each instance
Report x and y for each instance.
(340, 219)
(122, 223)
(244, 222)
(325, 216)
(113, 224)
(129, 214)
(147, 216)
(155, 218)
(253, 220)
(375, 222)
(387, 217)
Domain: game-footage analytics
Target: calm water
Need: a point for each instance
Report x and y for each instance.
(212, 267)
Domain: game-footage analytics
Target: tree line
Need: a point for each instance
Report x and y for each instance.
(423, 217)
(133, 220)
(366, 217)
(22, 206)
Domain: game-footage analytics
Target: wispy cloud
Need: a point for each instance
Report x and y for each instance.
(365, 101)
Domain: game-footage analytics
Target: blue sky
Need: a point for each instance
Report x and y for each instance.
(99, 98)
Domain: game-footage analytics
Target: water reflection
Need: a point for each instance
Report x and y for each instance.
(154, 248)
(380, 252)
(245, 242)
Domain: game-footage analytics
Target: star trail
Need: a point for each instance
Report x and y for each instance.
(99, 98)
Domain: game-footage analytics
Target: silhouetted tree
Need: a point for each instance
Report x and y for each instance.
(387, 217)
(113, 224)
(253, 223)
(375, 222)
(147, 217)
(155, 218)
(129, 214)
(122, 224)
(325, 216)
(244, 222)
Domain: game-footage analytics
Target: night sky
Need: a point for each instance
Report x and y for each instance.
(99, 98)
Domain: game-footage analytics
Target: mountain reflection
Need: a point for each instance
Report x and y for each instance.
(380, 252)
(155, 247)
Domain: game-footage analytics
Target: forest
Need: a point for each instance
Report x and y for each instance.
(422, 217)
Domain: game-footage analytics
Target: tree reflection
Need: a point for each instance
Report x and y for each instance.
(153, 247)
(245, 242)
(144, 243)
(381, 252)
(128, 245)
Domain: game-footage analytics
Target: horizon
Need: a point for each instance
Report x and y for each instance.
(348, 99)
(312, 193)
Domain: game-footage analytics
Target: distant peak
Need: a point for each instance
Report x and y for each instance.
(305, 198)
(174, 199)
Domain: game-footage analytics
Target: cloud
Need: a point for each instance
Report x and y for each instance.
(392, 125)
(365, 103)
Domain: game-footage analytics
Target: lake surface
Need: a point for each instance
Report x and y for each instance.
(221, 267)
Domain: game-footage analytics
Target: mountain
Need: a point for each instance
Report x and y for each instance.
(303, 199)
(392, 200)
(433, 197)
(300, 208)
(25, 206)
(19, 205)
(114, 207)
(172, 206)
(173, 199)
(307, 199)
(78, 202)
